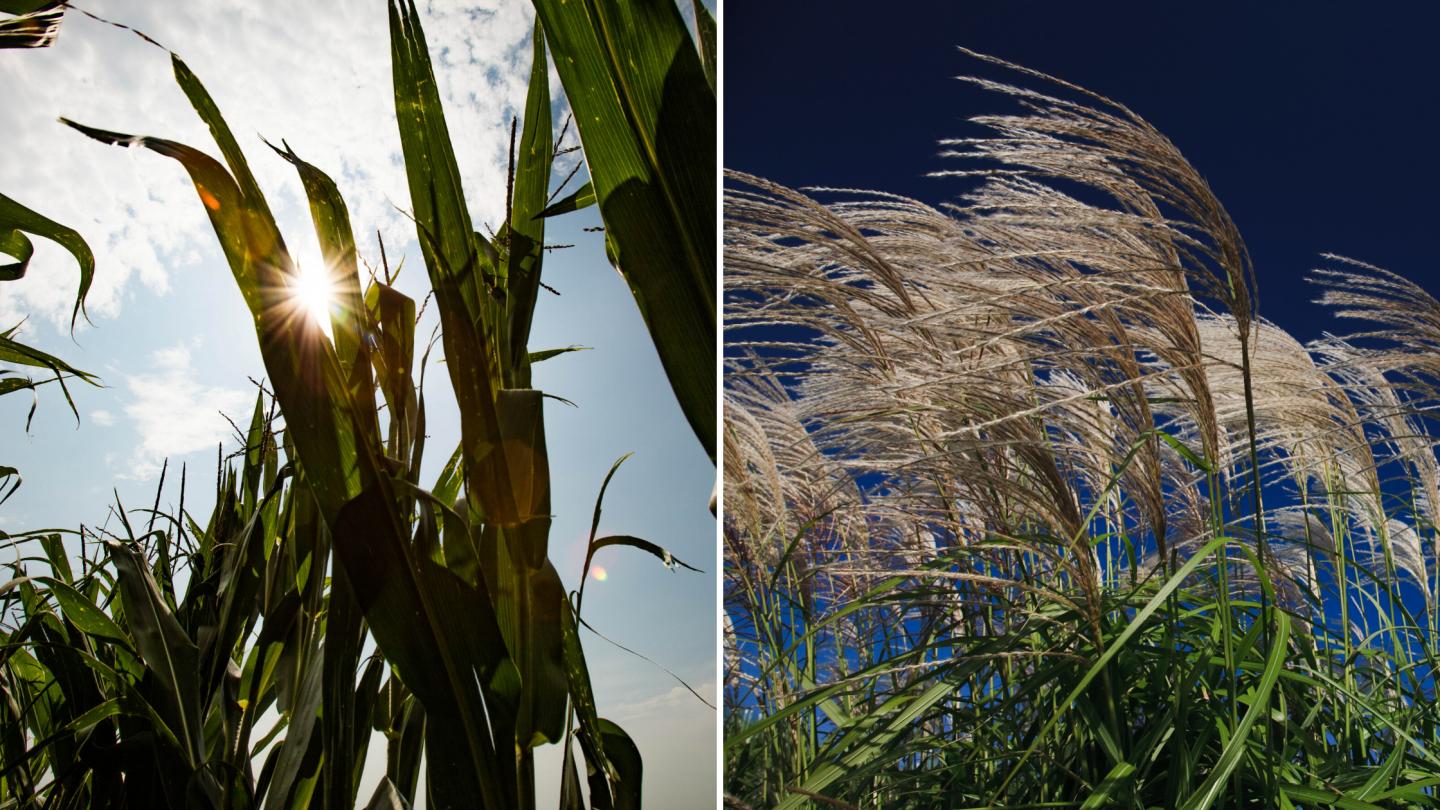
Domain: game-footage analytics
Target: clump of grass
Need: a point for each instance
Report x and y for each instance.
(1026, 505)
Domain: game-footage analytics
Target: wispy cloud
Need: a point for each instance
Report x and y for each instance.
(175, 414)
(102, 417)
(666, 704)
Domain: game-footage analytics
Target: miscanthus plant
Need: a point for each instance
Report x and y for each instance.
(1026, 506)
(332, 593)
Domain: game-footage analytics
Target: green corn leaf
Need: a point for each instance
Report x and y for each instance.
(546, 354)
(402, 756)
(11, 384)
(254, 453)
(13, 351)
(16, 220)
(167, 651)
(522, 438)
(581, 198)
(447, 484)
(240, 580)
(16, 245)
(300, 362)
(620, 750)
(392, 314)
(525, 231)
(26, 6)
(344, 748)
(294, 775)
(92, 716)
(84, 614)
(9, 482)
(367, 698)
(646, 116)
(546, 683)
(337, 247)
(209, 112)
(571, 797)
(410, 605)
(597, 764)
(55, 553)
(600, 497)
(664, 555)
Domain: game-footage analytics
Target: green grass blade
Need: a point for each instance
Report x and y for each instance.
(1136, 622)
(1116, 780)
(1216, 782)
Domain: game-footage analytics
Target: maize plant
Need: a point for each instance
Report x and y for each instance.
(341, 541)
(122, 691)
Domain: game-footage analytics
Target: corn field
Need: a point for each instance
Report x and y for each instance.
(1026, 506)
(246, 660)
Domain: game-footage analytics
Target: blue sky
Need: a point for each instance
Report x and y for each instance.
(173, 343)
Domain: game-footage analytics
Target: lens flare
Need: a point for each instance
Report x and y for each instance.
(313, 292)
(599, 573)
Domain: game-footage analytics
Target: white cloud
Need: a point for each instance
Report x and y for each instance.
(102, 417)
(664, 704)
(316, 74)
(175, 414)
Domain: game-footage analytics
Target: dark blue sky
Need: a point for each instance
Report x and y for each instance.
(1316, 125)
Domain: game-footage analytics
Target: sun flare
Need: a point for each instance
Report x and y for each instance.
(313, 293)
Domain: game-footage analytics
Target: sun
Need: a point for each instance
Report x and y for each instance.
(312, 292)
